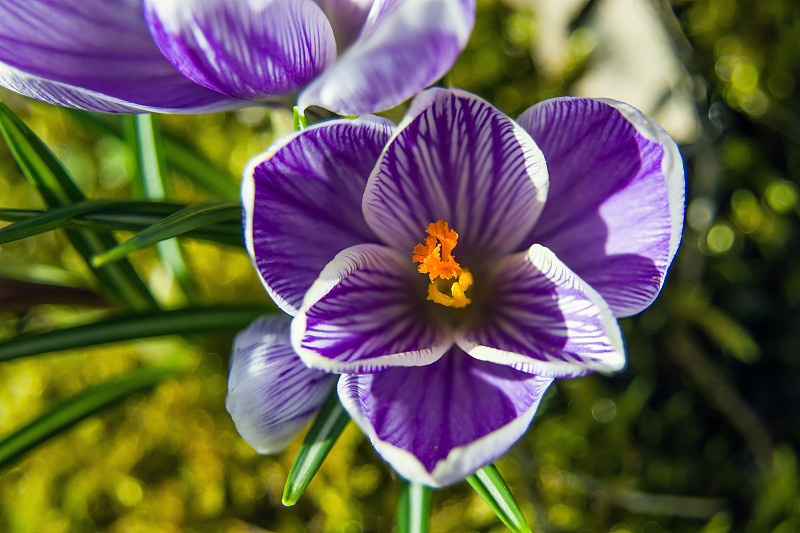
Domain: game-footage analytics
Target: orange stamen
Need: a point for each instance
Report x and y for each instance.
(436, 259)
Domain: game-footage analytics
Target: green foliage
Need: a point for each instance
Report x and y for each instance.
(58, 189)
(326, 429)
(178, 223)
(488, 483)
(700, 433)
(413, 508)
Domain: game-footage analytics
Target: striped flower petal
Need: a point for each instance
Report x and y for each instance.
(438, 424)
(95, 55)
(405, 46)
(614, 213)
(366, 312)
(543, 319)
(243, 48)
(271, 393)
(458, 159)
(302, 202)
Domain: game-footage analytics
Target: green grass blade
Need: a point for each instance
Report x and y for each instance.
(187, 219)
(120, 281)
(45, 172)
(150, 324)
(54, 218)
(150, 158)
(37, 162)
(177, 155)
(490, 486)
(319, 441)
(67, 413)
(109, 215)
(413, 507)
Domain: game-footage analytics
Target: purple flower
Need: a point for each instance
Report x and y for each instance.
(439, 269)
(193, 56)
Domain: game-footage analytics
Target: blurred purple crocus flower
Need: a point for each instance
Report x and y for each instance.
(196, 56)
(447, 273)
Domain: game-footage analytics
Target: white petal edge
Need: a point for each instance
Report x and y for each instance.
(545, 260)
(63, 94)
(461, 462)
(246, 409)
(671, 166)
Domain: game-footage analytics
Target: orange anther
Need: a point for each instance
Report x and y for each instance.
(436, 255)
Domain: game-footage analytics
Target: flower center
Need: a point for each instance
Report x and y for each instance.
(435, 258)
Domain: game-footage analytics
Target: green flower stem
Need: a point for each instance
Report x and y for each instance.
(319, 441)
(490, 486)
(413, 508)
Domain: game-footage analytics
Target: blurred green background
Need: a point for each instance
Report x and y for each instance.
(699, 433)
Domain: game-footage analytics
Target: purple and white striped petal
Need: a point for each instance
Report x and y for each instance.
(302, 202)
(614, 213)
(545, 320)
(367, 312)
(243, 48)
(406, 45)
(95, 55)
(438, 424)
(271, 393)
(347, 18)
(458, 159)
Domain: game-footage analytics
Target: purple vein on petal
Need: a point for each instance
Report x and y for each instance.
(438, 424)
(243, 48)
(366, 312)
(458, 159)
(302, 202)
(545, 320)
(615, 210)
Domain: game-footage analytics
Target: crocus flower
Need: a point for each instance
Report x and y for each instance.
(194, 56)
(449, 268)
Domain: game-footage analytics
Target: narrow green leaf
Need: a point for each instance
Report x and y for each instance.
(490, 486)
(33, 272)
(109, 215)
(413, 507)
(54, 218)
(187, 219)
(150, 159)
(37, 162)
(69, 412)
(45, 172)
(327, 427)
(151, 324)
(178, 156)
(300, 122)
